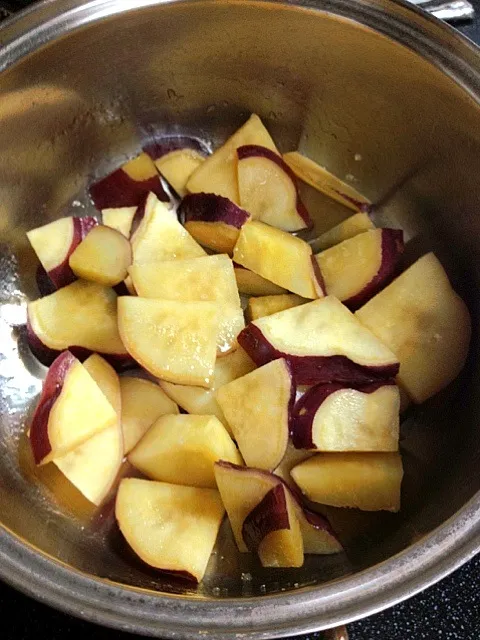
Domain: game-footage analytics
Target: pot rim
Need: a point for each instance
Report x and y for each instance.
(306, 609)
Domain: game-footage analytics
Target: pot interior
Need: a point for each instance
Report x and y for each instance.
(368, 108)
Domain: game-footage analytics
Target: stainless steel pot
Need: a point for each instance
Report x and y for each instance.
(374, 90)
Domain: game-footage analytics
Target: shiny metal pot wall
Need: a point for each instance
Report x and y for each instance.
(370, 88)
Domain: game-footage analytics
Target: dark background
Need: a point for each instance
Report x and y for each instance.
(448, 611)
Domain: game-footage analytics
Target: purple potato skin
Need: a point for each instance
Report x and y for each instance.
(307, 406)
(392, 248)
(52, 387)
(318, 275)
(256, 151)
(139, 215)
(313, 369)
(62, 275)
(293, 395)
(271, 514)
(208, 207)
(118, 189)
(362, 207)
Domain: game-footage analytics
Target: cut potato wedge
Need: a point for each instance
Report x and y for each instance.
(170, 527)
(258, 408)
(334, 417)
(71, 409)
(349, 228)
(80, 411)
(279, 257)
(273, 531)
(268, 305)
(212, 220)
(425, 323)
(203, 401)
(209, 278)
(217, 236)
(367, 481)
(230, 323)
(356, 269)
(160, 236)
(323, 342)
(183, 449)
(120, 218)
(243, 489)
(251, 284)
(268, 189)
(177, 166)
(218, 174)
(94, 466)
(318, 536)
(174, 341)
(55, 242)
(196, 400)
(143, 402)
(82, 314)
(103, 256)
(107, 379)
(176, 158)
(322, 180)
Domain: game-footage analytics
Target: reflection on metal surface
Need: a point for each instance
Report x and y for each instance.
(452, 11)
(357, 100)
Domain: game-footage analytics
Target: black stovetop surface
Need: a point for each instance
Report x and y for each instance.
(449, 610)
